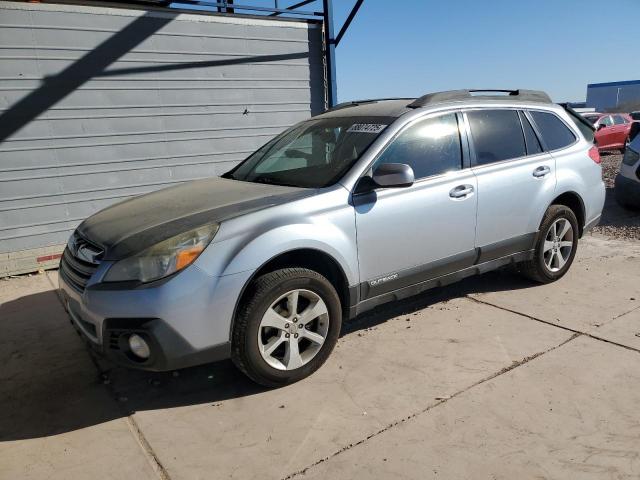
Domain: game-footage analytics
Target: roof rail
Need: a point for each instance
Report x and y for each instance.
(461, 95)
(355, 103)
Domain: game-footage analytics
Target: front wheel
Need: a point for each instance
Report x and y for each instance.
(555, 247)
(286, 327)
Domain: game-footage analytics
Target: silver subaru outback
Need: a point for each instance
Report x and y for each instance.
(370, 202)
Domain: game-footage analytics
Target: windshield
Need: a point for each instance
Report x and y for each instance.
(592, 118)
(311, 154)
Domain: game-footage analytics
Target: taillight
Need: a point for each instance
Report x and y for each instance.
(594, 153)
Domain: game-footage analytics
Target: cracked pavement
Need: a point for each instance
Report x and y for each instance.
(494, 377)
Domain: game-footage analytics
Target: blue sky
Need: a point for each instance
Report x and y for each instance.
(420, 46)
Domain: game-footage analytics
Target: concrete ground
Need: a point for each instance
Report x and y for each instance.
(494, 377)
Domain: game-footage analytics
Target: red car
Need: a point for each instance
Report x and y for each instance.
(612, 129)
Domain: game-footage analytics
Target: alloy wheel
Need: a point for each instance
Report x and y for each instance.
(293, 329)
(558, 244)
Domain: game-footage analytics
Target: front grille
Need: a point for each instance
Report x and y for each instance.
(114, 339)
(79, 261)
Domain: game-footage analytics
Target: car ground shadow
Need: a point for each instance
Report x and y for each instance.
(615, 215)
(615, 218)
(50, 384)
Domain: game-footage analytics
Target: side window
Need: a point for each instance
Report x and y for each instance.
(553, 130)
(533, 144)
(606, 121)
(430, 147)
(618, 120)
(583, 124)
(497, 135)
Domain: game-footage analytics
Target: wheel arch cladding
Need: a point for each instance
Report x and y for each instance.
(573, 201)
(310, 258)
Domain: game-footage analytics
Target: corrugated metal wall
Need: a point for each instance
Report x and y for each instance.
(98, 104)
(614, 96)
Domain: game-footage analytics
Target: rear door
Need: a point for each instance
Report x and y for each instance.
(409, 235)
(515, 177)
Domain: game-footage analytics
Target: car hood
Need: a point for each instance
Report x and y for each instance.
(133, 225)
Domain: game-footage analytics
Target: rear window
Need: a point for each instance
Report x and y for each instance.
(497, 135)
(553, 130)
(585, 130)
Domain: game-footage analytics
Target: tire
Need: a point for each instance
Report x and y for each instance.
(542, 268)
(267, 302)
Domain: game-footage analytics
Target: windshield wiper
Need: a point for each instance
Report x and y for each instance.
(272, 181)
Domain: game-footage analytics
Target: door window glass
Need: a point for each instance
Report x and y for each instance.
(533, 144)
(606, 121)
(497, 135)
(618, 120)
(553, 130)
(430, 147)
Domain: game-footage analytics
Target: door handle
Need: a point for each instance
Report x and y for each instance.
(541, 171)
(461, 191)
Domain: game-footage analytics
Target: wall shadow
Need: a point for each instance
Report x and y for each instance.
(94, 65)
(56, 87)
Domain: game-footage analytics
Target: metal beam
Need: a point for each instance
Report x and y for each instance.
(226, 5)
(348, 21)
(330, 53)
(292, 7)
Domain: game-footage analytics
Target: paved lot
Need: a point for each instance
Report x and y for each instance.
(491, 378)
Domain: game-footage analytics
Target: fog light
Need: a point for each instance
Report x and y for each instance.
(139, 347)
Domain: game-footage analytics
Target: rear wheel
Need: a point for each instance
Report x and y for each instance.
(555, 247)
(286, 328)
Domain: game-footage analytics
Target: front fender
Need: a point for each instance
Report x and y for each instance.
(325, 238)
(324, 222)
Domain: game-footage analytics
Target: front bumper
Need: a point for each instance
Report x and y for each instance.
(186, 320)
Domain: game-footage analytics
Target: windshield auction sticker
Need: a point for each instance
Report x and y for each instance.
(366, 128)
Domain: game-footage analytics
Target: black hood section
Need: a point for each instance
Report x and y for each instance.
(133, 225)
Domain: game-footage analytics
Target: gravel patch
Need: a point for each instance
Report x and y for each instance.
(610, 167)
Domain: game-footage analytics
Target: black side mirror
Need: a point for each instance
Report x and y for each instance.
(389, 175)
(600, 127)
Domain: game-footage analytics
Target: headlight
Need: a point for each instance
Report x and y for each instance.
(164, 258)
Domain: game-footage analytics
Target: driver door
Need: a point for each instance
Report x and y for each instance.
(412, 234)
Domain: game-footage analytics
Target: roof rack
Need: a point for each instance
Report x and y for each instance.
(461, 95)
(355, 103)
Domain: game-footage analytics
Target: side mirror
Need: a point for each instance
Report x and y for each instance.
(389, 175)
(600, 127)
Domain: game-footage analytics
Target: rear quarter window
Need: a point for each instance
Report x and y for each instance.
(586, 130)
(553, 130)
